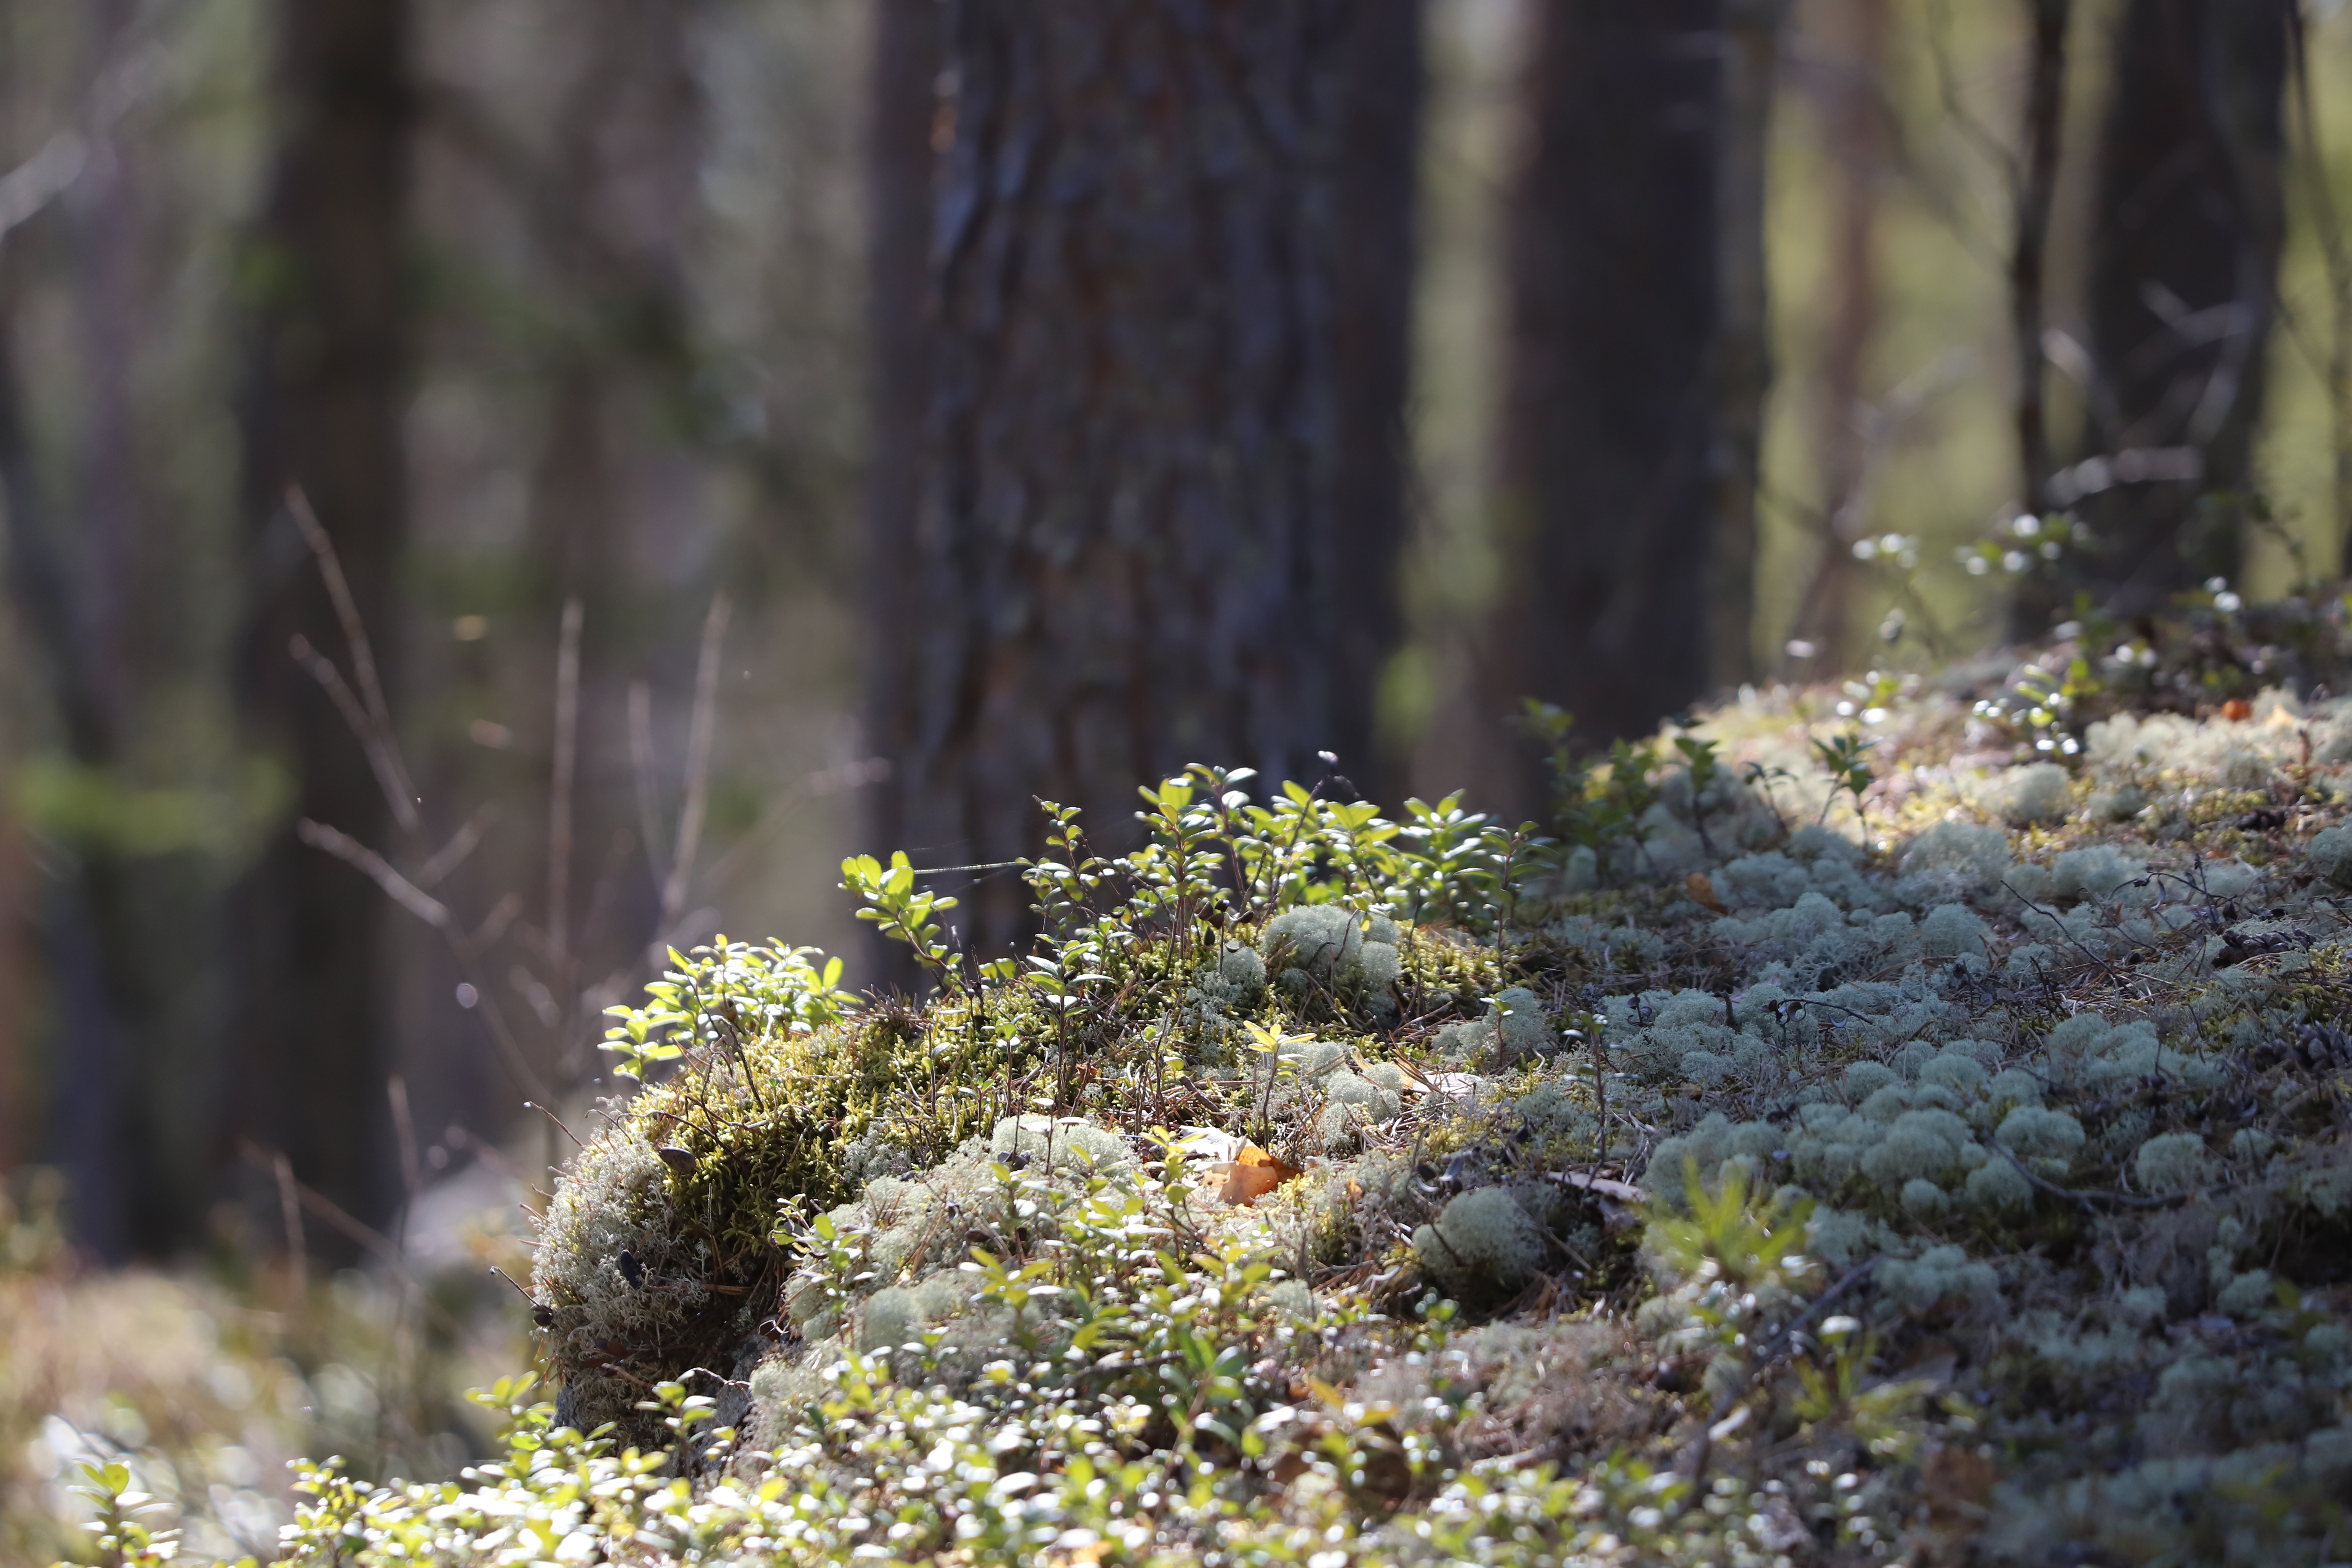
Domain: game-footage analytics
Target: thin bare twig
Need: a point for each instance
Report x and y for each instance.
(404, 1127)
(298, 1253)
(559, 803)
(351, 852)
(378, 733)
(435, 913)
(32, 184)
(128, 80)
(2088, 1198)
(641, 765)
(381, 762)
(697, 763)
(462, 843)
(2060, 927)
(494, 924)
(298, 1195)
(534, 1105)
(734, 1039)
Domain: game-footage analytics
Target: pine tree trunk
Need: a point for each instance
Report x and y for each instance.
(324, 411)
(2184, 273)
(1156, 511)
(1608, 425)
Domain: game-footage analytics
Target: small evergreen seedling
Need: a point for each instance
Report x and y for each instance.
(1849, 771)
(892, 903)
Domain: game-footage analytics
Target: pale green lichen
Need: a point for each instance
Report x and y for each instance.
(1937, 1275)
(1483, 1245)
(2173, 1162)
(2037, 1133)
(2330, 855)
(2023, 796)
(1065, 1143)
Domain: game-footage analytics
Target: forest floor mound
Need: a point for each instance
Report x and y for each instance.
(1900, 1122)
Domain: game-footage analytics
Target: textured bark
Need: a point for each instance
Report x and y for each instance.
(324, 411)
(1157, 509)
(2184, 273)
(1607, 426)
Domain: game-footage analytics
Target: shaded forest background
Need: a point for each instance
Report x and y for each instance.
(669, 377)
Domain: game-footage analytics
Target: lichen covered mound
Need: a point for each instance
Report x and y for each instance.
(1881, 1124)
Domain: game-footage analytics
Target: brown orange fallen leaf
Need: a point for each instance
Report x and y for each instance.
(1251, 1174)
(1702, 892)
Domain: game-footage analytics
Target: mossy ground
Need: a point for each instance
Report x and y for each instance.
(1733, 1171)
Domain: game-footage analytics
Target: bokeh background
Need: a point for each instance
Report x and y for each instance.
(584, 325)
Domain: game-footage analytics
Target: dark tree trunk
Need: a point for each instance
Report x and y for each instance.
(1608, 423)
(20, 1084)
(627, 147)
(1375, 210)
(94, 571)
(324, 411)
(100, 1118)
(1157, 514)
(2046, 102)
(905, 106)
(1740, 358)
(1856, 124)
(2188, 224)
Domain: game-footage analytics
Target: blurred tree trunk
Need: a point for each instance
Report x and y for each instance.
(1616, 397)
(1741, 356)
(1853, 109)
(1374, 199)
(1156, 511)
(603, 499)
(90, 1102)
(2037, 188)
(905, 110)
(20, 1087)
(2186, 228)
(93, 573)
(324, 411)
